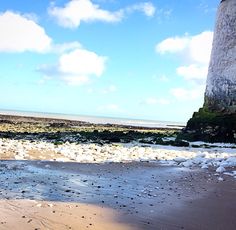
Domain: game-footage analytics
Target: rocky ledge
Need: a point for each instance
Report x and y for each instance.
(210, 127)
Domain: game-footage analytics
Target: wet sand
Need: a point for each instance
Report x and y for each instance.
(123, 196)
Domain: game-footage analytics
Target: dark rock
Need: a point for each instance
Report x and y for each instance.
(210, 127)
(180, 143)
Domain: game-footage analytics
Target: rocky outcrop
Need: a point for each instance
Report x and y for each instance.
(216, 121)
(210, 127)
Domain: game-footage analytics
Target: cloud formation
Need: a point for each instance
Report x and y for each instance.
(146, 7)
(19, 33)
(76, 11)
(77, 67)
(81, 62)
(193, 72)
(195, 53)
(182, 94)
(64, 47)
(196, 49)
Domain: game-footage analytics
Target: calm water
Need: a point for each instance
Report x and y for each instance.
(99, 120)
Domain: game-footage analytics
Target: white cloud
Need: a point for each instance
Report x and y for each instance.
(77, 67)
(76, 11)
(31, 16)
(195, 52)
(196, 48)
(172, 45)
(20, 33)
(82, 62)
(64, 47)
(193, 72)
(183, 94)
(200, 47)
(146, 7)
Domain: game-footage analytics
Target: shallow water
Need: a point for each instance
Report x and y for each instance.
(99, 120)
(75, 182)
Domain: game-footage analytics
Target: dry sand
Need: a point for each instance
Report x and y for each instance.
(28, 215)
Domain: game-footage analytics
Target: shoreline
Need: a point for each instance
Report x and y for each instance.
(23, 138)
(89, 120)
(131, 178)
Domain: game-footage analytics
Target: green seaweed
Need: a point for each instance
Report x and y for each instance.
(210, 126)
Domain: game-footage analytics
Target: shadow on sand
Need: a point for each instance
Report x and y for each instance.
(147, 196)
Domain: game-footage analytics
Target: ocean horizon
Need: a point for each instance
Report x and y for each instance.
(97, 119)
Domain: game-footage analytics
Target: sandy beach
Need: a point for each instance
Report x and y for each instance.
(65, 177)
(118, 115)
(55, 195)
(28, 214)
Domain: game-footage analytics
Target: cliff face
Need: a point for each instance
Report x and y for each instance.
(220, 92)
(216, 121)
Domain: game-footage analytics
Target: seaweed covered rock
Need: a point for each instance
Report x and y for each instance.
(210, 127)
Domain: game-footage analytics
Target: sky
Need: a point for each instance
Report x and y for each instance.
(128, 59)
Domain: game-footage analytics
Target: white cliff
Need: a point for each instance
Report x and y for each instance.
(220, 92)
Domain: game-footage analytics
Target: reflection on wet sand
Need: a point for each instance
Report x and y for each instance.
(141, 196)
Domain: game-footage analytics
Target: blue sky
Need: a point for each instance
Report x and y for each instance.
(131, 59)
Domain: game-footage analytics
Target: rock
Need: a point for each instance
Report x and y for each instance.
(216, 121)
(210, 127)
(187, 164)
(179, 159)
(180, 143)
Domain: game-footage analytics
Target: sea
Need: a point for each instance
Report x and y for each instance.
(98, 119)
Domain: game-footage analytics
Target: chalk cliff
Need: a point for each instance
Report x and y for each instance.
(220, 92)
(216, 121)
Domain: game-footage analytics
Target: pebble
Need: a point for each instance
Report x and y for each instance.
(220, 157)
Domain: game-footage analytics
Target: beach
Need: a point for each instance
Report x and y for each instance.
(61, 174)
(118, 115)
